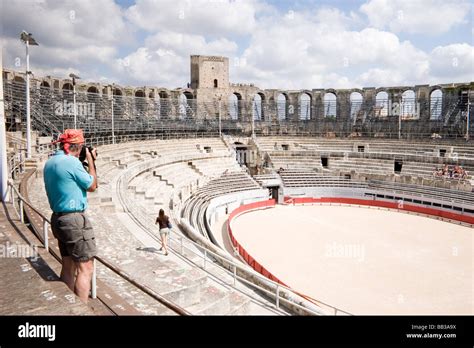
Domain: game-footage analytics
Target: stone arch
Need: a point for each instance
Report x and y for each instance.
(45, 84)
(118, 100)
(408, 105)
(68, 91)
(436, 103)
(117, 92)
(140, 103)
(139, 93)
(68, 86)
(356, 99)
(304, 102)
(182, 105)
(235, 101)
(330, 104)
(19, 79)
(93, 89)
(165, 103)
(282, 106)
(190, 104)
(257, 107)
(381, 104)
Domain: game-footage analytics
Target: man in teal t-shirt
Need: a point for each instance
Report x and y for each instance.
(67, 182)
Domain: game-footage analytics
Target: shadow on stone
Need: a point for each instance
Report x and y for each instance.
(148, 249)
(43, 269)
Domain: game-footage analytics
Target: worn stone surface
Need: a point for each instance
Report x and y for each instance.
(28, 285)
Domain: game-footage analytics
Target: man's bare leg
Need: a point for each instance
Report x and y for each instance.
(68, 271)
(83, 280)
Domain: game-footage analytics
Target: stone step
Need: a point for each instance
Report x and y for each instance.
(239, 304)
(176, 282)
(214, 300)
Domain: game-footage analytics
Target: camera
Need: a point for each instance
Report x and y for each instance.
(82, 156)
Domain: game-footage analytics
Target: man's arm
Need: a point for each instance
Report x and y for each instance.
(92, 171)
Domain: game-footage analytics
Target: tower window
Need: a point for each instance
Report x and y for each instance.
(215, 83)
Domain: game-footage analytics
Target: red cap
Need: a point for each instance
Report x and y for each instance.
(71, 136)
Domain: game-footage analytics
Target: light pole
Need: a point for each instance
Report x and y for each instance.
(253, 119)
(3, 143)
(112, 88)
(74, 77)
(28, 39)
(468, 117)
(399, 125)
(220, 125)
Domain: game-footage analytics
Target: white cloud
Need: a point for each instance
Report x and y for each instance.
(453, 62)
(81, 35)
(307, 52)
(314, 48)
(202, 17)
(429, 17)
(69, 23)
(164, 60)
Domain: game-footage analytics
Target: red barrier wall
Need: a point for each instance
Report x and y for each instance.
(391, 205)
(242, 252)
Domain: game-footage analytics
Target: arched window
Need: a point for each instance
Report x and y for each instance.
(381, 104)
(19, 79)
(93, 98)
(190, 104)
(281, 106)
(119, 103)
(67, 92)
(356, 104)
(234, 107)
(140, 103)
(305, 106)
(436, 103)
(215, 83)
(330, 105)
(257, 107)
(408, 107)
(182, 106)
(67, 87)
(164, 104)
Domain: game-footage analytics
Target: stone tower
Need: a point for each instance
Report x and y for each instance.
(209, 72)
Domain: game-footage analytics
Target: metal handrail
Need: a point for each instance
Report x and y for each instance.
(121, 273)
(141, 219)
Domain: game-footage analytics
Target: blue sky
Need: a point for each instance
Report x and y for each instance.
(272, 43)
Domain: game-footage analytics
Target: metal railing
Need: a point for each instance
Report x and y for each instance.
(180, 244)
(122, 111)
(16, 196)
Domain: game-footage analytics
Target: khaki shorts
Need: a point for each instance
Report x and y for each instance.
(75, 236)
(165, 231)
